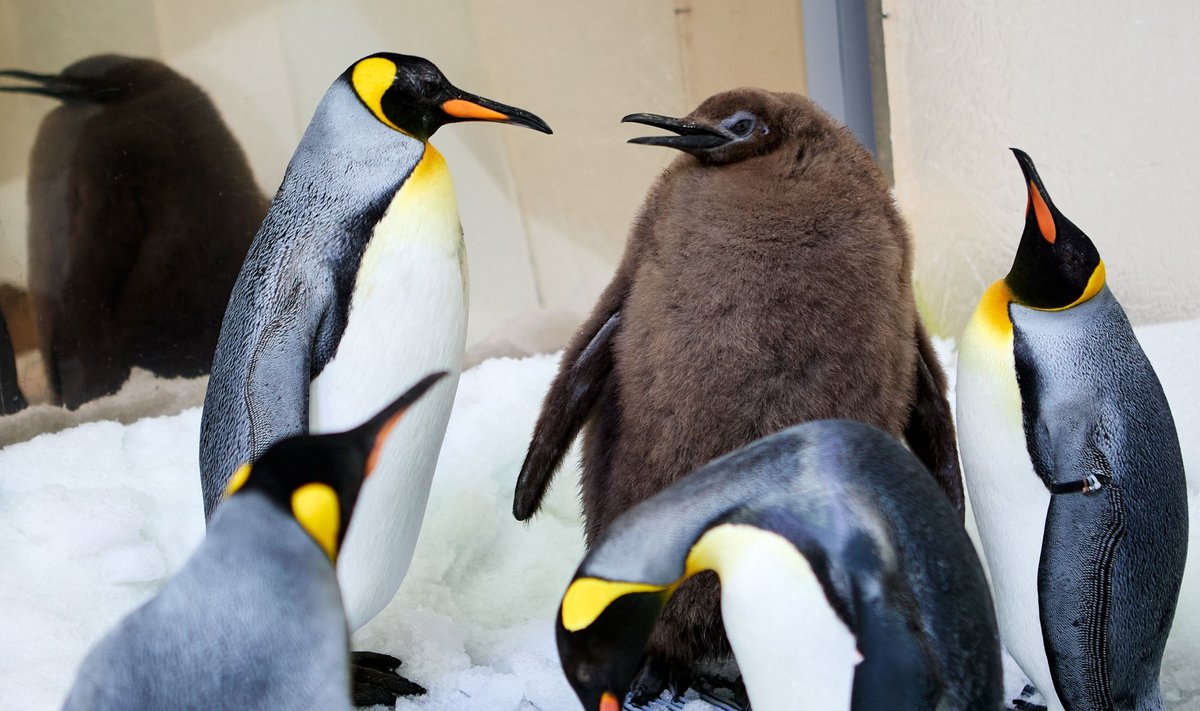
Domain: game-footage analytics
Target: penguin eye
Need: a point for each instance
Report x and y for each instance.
(742, 126)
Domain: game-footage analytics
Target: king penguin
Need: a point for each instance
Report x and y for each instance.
(766, 282)
(254, 619)
(141, 208)
(354, 286)
(1074, 471)
(847, 580)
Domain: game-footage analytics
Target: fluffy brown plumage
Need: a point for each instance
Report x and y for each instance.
(767, 281)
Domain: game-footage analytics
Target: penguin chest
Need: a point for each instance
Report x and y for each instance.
(1008, 500)
(773, 603)
(407, 318)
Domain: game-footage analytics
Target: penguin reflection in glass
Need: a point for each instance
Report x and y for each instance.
(766, 282)
(354, 285)
(254, 619)
(141, 208)
(847, 580)
(1074, 469)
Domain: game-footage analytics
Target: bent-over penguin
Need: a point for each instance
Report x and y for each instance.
(847, 580)
(1074, 471)
(141, 208)
(766, 282)
(354, 285)
(254, 619)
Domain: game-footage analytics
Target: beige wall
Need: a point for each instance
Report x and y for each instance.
(545, 217)
(1099, 93)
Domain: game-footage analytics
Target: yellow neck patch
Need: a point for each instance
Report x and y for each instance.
(1095, 284)
(238, 480)
(372, 77)
(316, 508)
(587, 598)
(992, 312)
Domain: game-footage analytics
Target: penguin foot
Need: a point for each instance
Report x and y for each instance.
(655, 677)
(374, 680)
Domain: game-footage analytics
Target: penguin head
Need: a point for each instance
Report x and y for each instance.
(602, 630)
(316, 478)
(411, 95)
(734, 125)
(101, 79)
(1056, 265)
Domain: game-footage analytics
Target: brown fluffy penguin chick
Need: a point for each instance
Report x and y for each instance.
(767, 281)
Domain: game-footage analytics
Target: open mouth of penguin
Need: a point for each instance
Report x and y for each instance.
(691, 136)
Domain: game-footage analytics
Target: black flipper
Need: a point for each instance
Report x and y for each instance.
(1083, 532)
(581, 378)
(930, 429)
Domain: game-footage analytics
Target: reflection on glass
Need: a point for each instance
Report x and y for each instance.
(142, 206)
(11, 399)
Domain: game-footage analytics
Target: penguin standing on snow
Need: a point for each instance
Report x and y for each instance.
(354, 286)
(1074, 471)
(254, 619)
(847, 580)
(767, 281)
(141, 208)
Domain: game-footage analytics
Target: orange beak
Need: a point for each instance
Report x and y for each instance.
(608, 702)
(468, 107)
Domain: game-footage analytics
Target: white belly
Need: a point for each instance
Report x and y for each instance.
(773, 604)
(1008, 500)
(407, 319)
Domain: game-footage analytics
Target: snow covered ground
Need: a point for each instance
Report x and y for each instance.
(94, 518)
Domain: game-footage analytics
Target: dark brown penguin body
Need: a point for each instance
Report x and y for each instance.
(141, 209)
(766, 282)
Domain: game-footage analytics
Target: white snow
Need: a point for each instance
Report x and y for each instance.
(94, 518)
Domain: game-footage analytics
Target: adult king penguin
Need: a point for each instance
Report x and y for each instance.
(847, 580)
(354, 285)
(254, 619)
(141, 208)
(766, 282)
(1074, 471)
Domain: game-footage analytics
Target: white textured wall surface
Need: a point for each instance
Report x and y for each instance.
(1101, 94)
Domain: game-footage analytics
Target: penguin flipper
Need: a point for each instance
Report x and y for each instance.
(930, 428)
(280, 370)
(581, 378)
(11, 399)
(1083, 533)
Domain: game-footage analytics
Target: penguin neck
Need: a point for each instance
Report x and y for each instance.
(250, 526)
(771, 599)
(346, 153)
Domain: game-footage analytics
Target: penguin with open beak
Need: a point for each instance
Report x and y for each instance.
(847, 581)
(1072, 460)
(141, 208)
(766, 282)
(254, 619)
(354, 286)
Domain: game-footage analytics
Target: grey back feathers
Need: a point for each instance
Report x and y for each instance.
(875, 527)
(141, 208)
(291, 299)
(1112, 560)
(253, 621)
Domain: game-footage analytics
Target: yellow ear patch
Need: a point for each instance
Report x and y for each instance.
(240, 475)
(587, 598)
(316, 508)
(372, 77)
